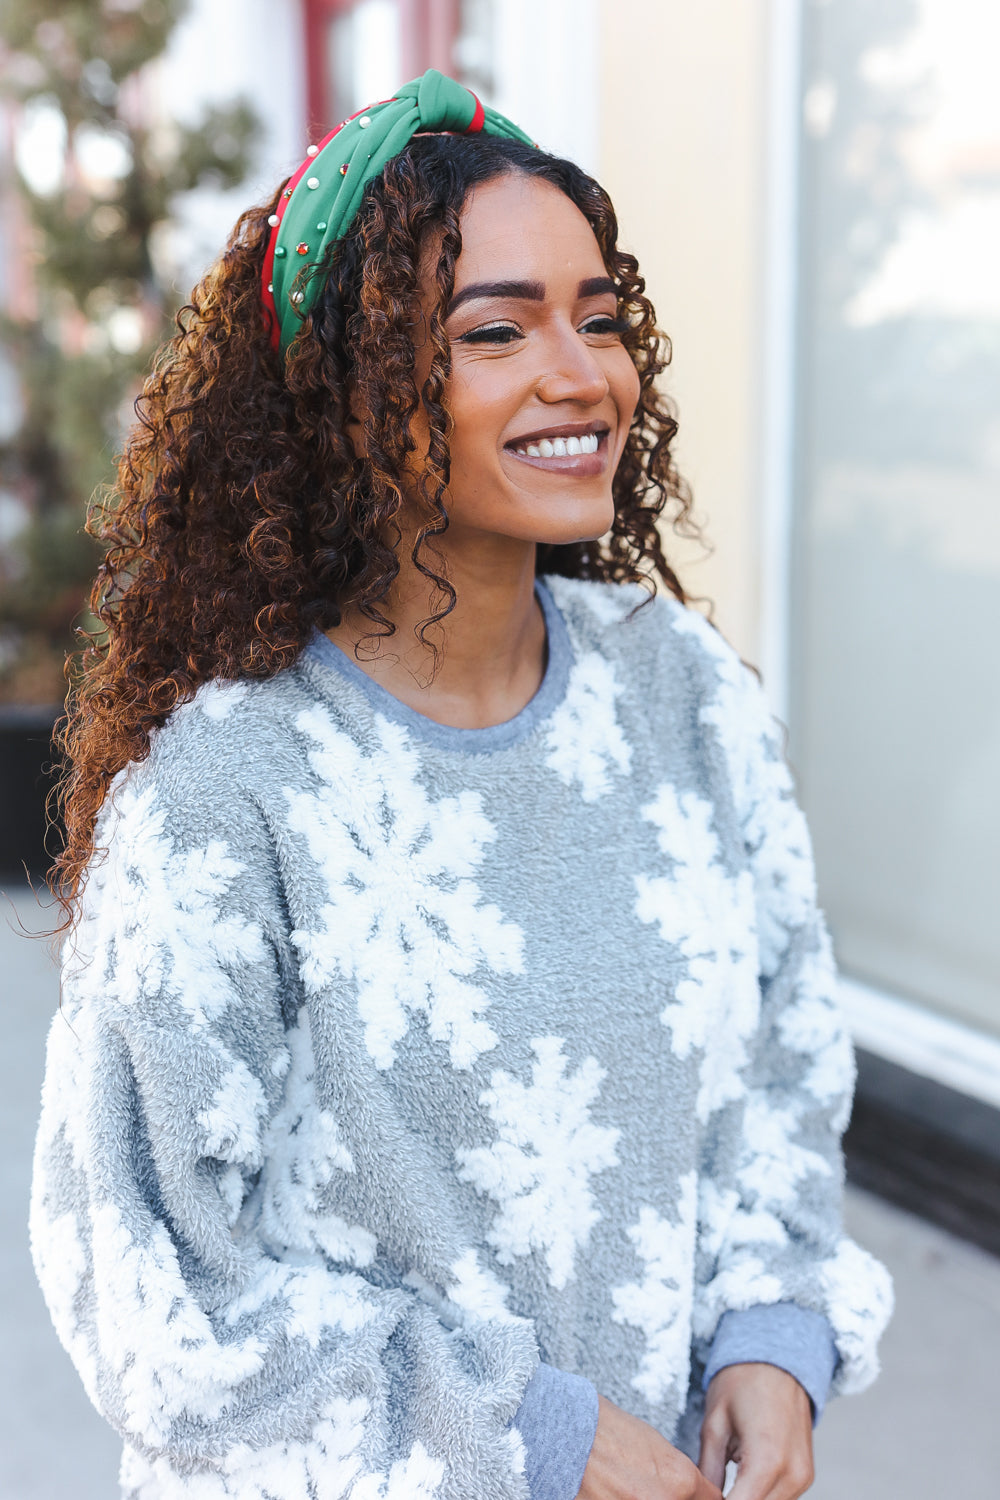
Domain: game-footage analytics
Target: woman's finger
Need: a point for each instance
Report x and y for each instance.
(715, 1438)
(771, 1480)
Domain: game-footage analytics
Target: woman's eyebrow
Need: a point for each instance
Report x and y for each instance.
(534, 291)
(596, 286)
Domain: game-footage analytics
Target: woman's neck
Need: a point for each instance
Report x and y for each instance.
(491, 647)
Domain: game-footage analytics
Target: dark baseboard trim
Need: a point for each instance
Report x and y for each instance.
(27, 774)
(926, 1148)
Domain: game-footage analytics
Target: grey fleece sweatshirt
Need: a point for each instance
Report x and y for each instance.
(413, 1084)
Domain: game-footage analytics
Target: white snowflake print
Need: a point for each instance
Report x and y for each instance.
(813, 1026)
(327, 1466)
(152, 923)
(480, 1294)
(731, 1237)
(152, 914)
(403, 919)
(160, 1347)
(474, 1295)
(155, 1340)
(744, 1281)
(303, 1153)
(773, 825)
(607, 603)
(660, 1304)
(215, 699)
(859, 1302)
(232, 1121)
(723, 1225)
(584, 739)
(708, 916)
(774, 1164)
(539, 1167)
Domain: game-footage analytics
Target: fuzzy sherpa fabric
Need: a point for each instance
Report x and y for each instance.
(394, 1058)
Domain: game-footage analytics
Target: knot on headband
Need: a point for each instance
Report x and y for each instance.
(322, 198)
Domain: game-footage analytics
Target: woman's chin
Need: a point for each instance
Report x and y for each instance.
(567, 524)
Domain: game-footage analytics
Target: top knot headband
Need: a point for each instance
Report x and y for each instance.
(323, 196)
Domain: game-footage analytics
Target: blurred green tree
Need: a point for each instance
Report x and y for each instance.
(94, 303)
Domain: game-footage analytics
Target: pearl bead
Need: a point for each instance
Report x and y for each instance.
(312, 150)
(298, 297)
(280, 252)
(273, 220)
(365, 121)
(270, 286)
(321, 225)
(313, 182)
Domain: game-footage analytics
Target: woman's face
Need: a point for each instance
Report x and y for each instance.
(542, 390)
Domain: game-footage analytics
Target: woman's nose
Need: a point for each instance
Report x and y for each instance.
(572, 372)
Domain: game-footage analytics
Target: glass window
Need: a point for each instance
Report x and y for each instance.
(364, 56)
(896, 604)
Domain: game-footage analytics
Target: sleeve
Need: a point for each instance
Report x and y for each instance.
(795, 1339)
(228, 1369)
(557, 1421)
(770, 1207)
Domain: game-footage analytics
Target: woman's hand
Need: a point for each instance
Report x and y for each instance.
(759, 1417)
(631, 1461)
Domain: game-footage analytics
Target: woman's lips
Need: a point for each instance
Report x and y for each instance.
(584, 454)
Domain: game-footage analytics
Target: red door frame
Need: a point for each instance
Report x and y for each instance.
(429, 29)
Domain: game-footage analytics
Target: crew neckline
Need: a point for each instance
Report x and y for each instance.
(551, 690)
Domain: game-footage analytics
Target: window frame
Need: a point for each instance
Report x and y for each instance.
(429, 29)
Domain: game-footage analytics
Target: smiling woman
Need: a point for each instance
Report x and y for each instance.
(446, 1096)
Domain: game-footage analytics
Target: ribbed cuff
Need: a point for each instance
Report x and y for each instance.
(557, 1421)
(796, 1339)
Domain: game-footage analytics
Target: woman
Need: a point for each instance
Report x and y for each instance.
(448, 1084)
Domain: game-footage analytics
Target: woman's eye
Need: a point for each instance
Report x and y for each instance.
(606, 325)
(491, 333)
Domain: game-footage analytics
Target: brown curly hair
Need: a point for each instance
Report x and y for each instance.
(242, 517)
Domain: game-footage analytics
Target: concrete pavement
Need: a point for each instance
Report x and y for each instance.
(924, 1432)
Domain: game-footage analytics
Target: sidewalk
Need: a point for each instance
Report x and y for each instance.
(924, 1432)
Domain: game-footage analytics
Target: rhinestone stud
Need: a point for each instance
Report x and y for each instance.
(343, 168)
(302, 248)
(287, 193)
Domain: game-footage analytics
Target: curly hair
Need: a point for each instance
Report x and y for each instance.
(243, 517)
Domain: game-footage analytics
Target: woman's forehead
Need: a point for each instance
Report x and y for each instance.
(519, 227)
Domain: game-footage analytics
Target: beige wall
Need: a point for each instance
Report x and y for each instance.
(682, 137)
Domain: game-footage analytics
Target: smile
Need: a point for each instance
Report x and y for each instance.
(559, 447)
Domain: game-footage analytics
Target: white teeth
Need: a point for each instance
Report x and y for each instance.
(568, 447)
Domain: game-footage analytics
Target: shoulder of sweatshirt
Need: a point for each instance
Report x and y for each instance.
(217, 759)
(623, 620)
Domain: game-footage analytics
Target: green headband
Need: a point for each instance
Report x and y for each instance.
(323, 196)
